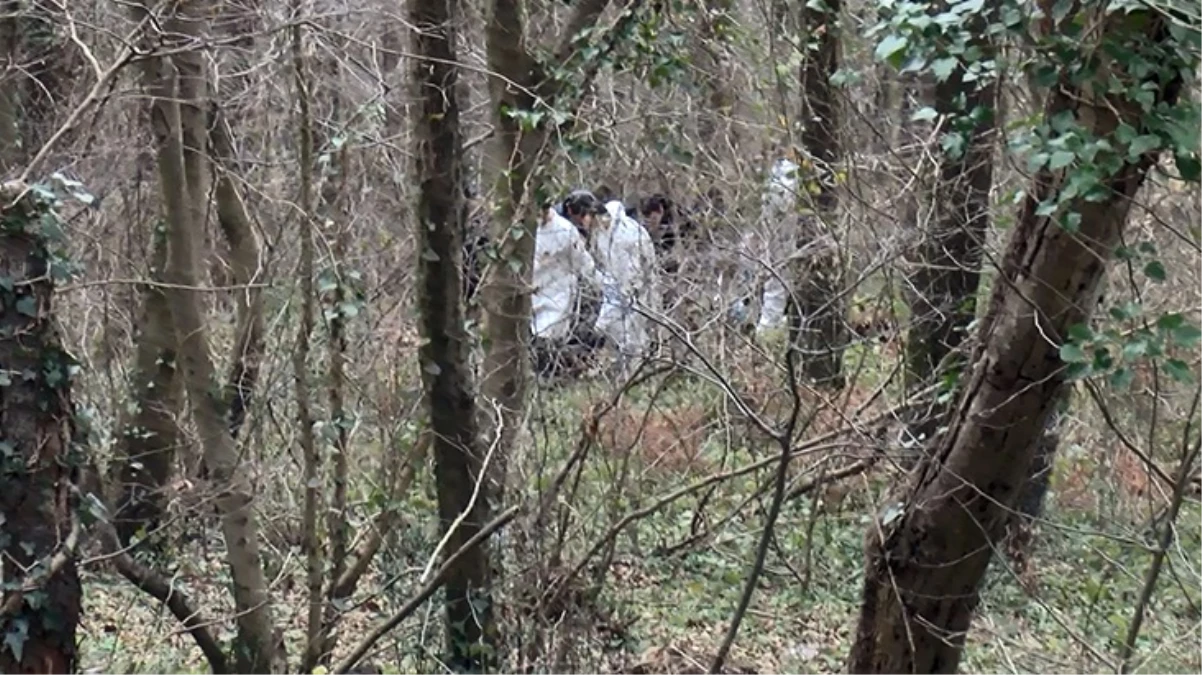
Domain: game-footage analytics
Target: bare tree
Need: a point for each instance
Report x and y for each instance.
(459, 461)
(177, 87)
(151, 435)
(928, 552)
(819, 315)
(523, 92)
(42, 597)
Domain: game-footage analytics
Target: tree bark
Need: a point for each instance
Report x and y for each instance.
(1028, 508)
(927, 555)
(42, 594)
(713, 76)
(257, 650)
(151, 435)
(820, 317)
(249, 273)
(446, 371)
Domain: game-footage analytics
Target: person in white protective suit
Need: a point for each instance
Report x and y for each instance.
(761, 252)
(625, 253)
(561, 264)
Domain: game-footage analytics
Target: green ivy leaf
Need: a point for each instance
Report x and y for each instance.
(1080, 332)
(1171, 321)
(1187, 335)
(1155, 271)
(1077, 371)
(1189, 166)
(1071, 221)
(1121, 378)
(1073, 353)
(15, 638)
(1178, 370)
(1142, 145)
(1135, 349)
(1061, 159)
(28, 306)
(891, 49)
(944, 67)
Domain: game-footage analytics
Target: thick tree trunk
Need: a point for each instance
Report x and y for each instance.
(505, 298)
(820, 317)
(1028, 508)
(447, 373)
(927, 556)
(257, 650)
(42, 595)
(946, 267)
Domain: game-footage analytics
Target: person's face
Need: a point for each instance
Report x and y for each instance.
(654, 218)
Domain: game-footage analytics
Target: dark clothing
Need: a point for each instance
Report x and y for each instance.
(560, 359)
(474, 257)
(556, 360)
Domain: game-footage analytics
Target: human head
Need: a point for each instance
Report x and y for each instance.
(656, 210)
(581, 207)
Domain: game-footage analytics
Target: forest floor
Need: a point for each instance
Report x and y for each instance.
(669, 596)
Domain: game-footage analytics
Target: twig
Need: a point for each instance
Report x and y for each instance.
(779, 487)
(123, 58)
(426, 591)
(471, 504)
(1189, 454)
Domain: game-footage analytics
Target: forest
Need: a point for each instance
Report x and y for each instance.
(610, 336)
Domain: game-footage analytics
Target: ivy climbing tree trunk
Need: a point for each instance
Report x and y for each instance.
(946, 267)
(42, 594)
(820, 317)
(459, 461)
(928, 553)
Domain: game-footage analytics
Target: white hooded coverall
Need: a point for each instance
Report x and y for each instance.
(778, 206)
(561, 261)
(626, 254)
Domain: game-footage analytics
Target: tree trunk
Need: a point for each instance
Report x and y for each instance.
(11, 152)
(256, 649)
(516, 153)
(446, 371)
(714, 125)
(927, 556)
(1028, 508)
(249, 273)
(42, 595)
(819, 317)
(946, 267)
(151, 435)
